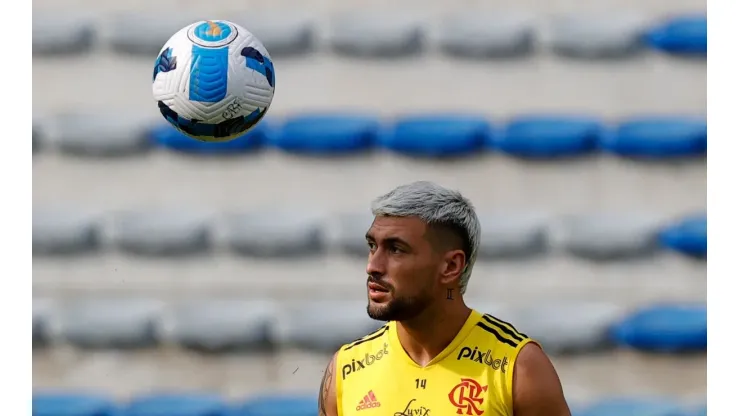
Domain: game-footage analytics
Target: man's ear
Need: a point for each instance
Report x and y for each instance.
(453, 267)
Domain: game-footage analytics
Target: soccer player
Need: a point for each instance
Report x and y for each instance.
(435, 356)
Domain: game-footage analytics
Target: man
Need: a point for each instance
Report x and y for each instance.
(434, 356)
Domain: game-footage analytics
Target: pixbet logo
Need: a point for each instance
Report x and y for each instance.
(357, 365)
(484, 358)
(467, 396)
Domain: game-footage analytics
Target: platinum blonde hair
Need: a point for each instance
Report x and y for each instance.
(435, 205)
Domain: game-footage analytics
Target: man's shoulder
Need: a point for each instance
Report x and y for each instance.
(495, 331)
(376, 337)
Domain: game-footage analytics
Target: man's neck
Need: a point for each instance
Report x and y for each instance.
(427, 335)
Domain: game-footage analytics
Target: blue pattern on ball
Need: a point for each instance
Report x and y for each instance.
(209, 74)
(212, 31)
(260, 63)
(165, 63)
(205, 131)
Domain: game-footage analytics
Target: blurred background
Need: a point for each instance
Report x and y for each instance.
(175, 276)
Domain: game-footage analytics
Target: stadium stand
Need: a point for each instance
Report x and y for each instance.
(191, 279)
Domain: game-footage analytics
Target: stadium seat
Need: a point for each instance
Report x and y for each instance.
(42, 311)
(684, 35)
(543, 137)
(277, 233)
(324, 326)
(277, 406)
(567, 328)
(176, 404)
(632, 407)
(114, 323)
(366, 33)
(161, 232)
(347, 233)
(607, 236)
(594, 36)
(480, 34)
(700, 410)
(57, 34)
(511, 235)
(218, 325)
(657, 138)
(437, 135)
(687, 236)
(47, 403)
(37, 137)
(664, 328)
(145, 33)
(283, 33)
(64, 231)
(326, 134)
(100, 135)
(168, 137)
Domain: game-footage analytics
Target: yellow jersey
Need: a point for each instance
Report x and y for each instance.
(472, 376)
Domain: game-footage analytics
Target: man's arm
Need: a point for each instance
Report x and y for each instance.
(328, 391)
(537, 388)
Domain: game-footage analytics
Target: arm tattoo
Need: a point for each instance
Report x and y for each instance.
(324, 389)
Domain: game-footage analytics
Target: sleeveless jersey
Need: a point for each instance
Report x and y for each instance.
(472, 376)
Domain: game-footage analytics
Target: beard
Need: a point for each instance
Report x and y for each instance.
(398, 309)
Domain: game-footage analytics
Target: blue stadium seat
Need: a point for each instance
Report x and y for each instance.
(688, 236)
(176, 404)
(326, 134)
(657, 137)
(631, 407)
(277, 406)
(685, 35)
(664, 328)
(696, 411)
(437, 135)
(170, 138)
(547, 136)
(72, 404)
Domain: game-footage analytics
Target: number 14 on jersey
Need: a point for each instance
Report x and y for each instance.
(421, 383)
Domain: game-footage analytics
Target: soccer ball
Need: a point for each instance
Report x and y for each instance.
(213, 80)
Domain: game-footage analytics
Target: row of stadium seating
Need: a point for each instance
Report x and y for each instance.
(282, 233)
(473, 34)
(440, 135)
(219, 325)
(204, 404)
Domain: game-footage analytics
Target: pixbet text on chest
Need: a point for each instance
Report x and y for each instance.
(484, 358)
(368, 360)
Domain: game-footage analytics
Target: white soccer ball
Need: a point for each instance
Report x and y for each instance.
(213, 80)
